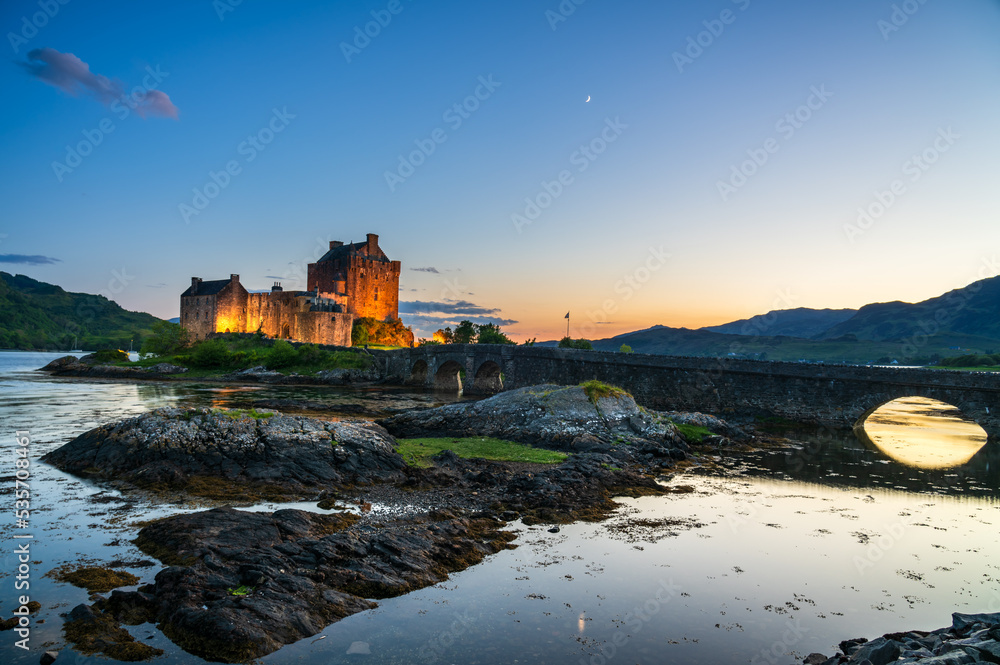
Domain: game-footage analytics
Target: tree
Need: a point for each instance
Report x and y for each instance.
(490, 333)
(167, 339)
(390, 332)
(569, 343)
(465, 333)
(625, 348)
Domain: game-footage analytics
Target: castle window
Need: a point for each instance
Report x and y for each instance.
(376, 294)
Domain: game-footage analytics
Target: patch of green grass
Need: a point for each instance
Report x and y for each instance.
(417, 452)
(693, 433)
(236, 414)
(241, 591)
(992, 368)
(597, 390)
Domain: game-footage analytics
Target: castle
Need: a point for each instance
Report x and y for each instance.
(350, 281)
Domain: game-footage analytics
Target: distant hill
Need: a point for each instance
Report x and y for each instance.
(971, 310)
(661, 340)
(40, 316)
(800, 322)
(962, 321)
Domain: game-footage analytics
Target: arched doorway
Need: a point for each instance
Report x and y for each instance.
(488, 379)
(448, 377)
(921, 432)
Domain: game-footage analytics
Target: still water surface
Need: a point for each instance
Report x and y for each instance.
(761, 559)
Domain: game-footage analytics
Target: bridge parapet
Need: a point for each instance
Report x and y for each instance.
(833, 395)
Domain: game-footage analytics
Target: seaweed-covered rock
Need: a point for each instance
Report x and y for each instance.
(181, 448)
(252, 582)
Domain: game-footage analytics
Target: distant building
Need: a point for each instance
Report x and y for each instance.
(350, 281)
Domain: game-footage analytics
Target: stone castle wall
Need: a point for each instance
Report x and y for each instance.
(373, 288)
(278, 314)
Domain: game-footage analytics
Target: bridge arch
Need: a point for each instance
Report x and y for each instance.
(418, 373)
(488, 378)
(448, 377)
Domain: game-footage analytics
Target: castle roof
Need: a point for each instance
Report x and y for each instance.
(351, 249)
(210, 288)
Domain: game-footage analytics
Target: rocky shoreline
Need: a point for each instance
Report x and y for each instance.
(238, 584)
(971, 638)
(241, 584)
(86, 367)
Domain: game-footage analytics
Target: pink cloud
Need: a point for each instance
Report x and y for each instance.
(157, 103)
(72, 75)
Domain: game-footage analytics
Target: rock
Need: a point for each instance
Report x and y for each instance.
(258, 373)
(961, 621)
(815, 659)
(49, 657)
(717, 425)
(970, 639)
(554, 529)
(878, 652)
(64, 364)
(558, 417)
(166, 368)
(850, 646)
(316, 569)
(209, 452)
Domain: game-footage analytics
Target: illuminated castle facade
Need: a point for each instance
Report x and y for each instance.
(350, 281)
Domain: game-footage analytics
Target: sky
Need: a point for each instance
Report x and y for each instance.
(734, 157)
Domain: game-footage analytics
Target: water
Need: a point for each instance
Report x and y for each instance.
(763, 558)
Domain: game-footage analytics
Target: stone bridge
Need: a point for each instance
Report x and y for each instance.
(830, 395)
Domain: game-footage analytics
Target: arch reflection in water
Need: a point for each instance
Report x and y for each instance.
(923, 433)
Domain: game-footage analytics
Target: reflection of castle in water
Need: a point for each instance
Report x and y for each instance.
(923, 433)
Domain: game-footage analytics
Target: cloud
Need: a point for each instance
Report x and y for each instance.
(428, 269)
(32, 259)
(428, 324)
(427, 316)
(156, 286)
(453, 307)
(72, 75)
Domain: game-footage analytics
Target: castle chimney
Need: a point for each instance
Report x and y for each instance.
(195, 281)
(334, 244)
(276, 287)
(234, 278)
(372, 241)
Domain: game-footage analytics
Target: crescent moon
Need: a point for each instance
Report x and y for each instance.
(588, 98)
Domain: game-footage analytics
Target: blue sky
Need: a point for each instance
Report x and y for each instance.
(649, 225)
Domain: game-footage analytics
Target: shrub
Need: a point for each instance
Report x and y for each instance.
(109, 356)
(282, 354)
(625, 348)
(210, 353)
